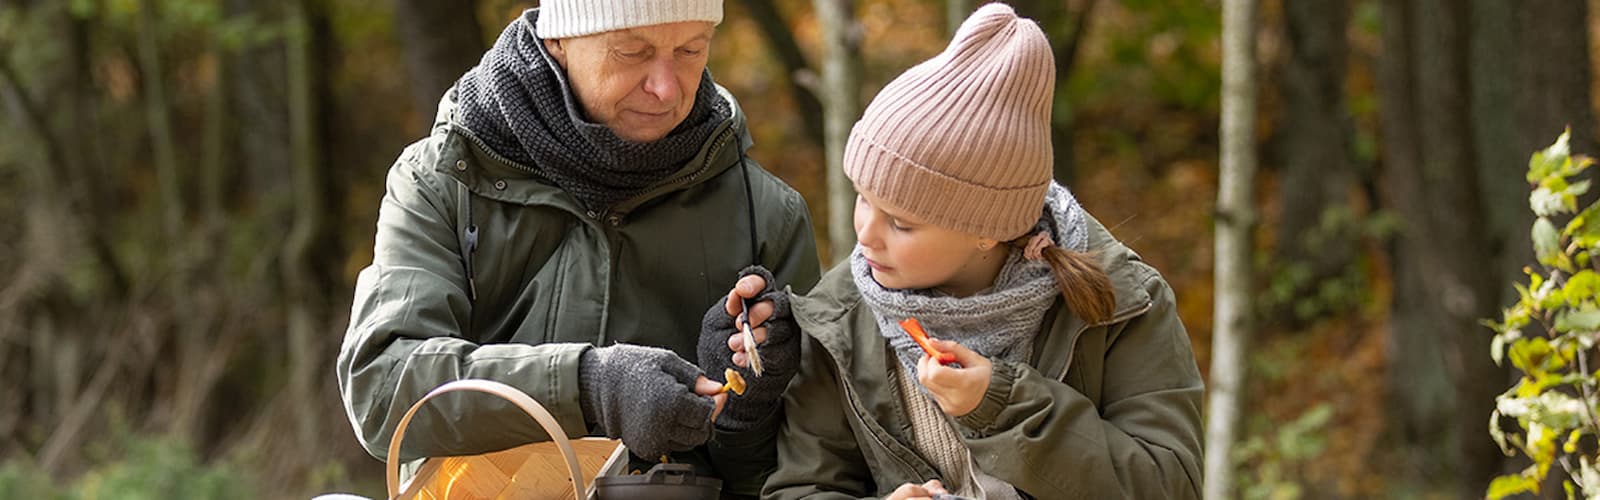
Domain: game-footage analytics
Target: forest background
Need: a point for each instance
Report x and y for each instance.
(188, 189)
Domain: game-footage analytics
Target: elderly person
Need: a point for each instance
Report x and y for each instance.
(583, 197)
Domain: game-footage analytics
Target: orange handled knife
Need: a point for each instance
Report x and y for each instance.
(914, 329)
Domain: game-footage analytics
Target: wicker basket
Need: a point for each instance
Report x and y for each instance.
(550, 470)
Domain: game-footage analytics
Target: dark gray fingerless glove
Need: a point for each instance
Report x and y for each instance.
(644, 396)
(780, 356)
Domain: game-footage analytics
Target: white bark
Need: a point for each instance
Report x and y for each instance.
(841, 105)
(1235, 219)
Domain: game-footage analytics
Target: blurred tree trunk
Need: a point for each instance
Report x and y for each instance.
(1440, 374)
(1553, 76)
(1502, 160)
(214, 144)
(157, 108)
(1553, 67)
(1317, 130)
(802, 80)
(955, 11)
(304, 69)
(1066, 23)
(440, 41)
(1235, 216)
(841, 100)
(257, 90)
(89, 188)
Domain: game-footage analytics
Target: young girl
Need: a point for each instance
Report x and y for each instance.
(1072, 378)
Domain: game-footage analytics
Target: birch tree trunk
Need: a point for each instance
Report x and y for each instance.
(841, 104)
(1235, 219)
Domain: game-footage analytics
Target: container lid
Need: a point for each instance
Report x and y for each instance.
(662, 474)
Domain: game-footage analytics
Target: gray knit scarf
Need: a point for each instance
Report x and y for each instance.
(999, 322)
(518, 102)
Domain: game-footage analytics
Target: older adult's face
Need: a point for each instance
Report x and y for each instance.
(640, 82)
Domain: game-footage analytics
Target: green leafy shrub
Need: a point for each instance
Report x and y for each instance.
(1550, 333)
(1273, 460)
(148, 469)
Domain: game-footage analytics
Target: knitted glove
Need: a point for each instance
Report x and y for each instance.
(644, 396)
(780, 356)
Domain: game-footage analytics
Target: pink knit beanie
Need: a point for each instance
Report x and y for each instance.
(963, 140)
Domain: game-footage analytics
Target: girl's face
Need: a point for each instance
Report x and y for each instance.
(905, 252)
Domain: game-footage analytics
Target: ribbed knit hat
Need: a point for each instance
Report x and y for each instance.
(573, 18)
(963, 139)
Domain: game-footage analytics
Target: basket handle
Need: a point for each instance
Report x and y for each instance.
(506, 392)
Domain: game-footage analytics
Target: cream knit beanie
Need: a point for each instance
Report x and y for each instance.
(574, 18)
(963, 140)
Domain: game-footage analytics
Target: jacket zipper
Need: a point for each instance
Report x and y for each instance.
(855, 408)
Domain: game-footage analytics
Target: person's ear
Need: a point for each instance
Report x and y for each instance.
(557, 51)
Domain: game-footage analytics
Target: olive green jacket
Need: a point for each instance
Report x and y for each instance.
(1109, 410)
(548, 279)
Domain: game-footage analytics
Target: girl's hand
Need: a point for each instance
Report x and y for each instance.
(957, 390)
(924, 491)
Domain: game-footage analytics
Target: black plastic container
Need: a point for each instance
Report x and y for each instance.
(663, 481)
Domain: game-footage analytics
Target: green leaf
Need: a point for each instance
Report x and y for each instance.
(1581, 288)
(1497, 349)
(1545, 202)
(1496, 432)
(1586, 319)
(1531, 355)
(1575, 165)
(1577, 189)
(1546, 241)
(1584, 228)
(1512, 484)
(1545, 163)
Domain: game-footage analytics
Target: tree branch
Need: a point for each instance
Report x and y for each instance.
(775, 30)
(1067, 52)
(31, 117)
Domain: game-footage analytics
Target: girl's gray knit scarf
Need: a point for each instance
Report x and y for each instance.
(517, 101)
(999, 322)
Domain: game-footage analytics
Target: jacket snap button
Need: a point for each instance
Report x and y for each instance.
(461, 165)
(615, 220)
(500, 184)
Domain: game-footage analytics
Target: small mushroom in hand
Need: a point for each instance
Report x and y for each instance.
(735, 382)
